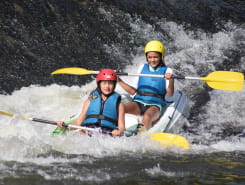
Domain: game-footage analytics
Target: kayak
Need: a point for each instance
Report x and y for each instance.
(177, 106)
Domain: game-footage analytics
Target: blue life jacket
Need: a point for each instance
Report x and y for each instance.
(103, 114)
(151, 89)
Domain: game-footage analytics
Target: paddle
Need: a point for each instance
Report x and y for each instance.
(222, 80)
(51, 122)
(167, 139)
(164, 139)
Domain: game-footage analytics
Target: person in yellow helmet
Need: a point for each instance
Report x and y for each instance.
(150, 92)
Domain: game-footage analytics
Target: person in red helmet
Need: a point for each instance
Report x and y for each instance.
(103, 108)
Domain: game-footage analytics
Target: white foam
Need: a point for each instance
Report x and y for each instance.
(190, 53)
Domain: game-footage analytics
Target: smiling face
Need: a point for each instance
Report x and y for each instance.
(153, 58)
(107, 86)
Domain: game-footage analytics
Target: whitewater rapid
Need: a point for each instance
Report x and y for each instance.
(189, 53)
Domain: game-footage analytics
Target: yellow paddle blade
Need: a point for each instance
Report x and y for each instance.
(10, 114)
(6, 113)
(73, 71)
(225, 80)
(167, 139)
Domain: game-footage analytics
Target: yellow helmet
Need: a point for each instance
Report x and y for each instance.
(156, 46)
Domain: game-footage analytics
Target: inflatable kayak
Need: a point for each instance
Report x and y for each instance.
(177, 106)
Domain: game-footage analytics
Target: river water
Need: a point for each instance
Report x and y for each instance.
(42, 36)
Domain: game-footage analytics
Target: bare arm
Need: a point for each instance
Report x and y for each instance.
(81, 117)
(130, 90)
(121, 121)
(170, 89)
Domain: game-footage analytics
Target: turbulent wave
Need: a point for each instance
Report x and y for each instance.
(38, 37)
(43, 36)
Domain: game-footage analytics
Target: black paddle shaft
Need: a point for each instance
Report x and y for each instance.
(47, 121)
(123, 74)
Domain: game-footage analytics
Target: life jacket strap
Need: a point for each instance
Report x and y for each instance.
(143, 93)
(101, 117)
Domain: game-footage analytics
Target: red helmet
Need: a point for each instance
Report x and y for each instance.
(106, 74)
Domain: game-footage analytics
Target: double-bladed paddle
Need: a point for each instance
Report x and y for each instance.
(50, 122)
(164, 139)
(222, 80)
